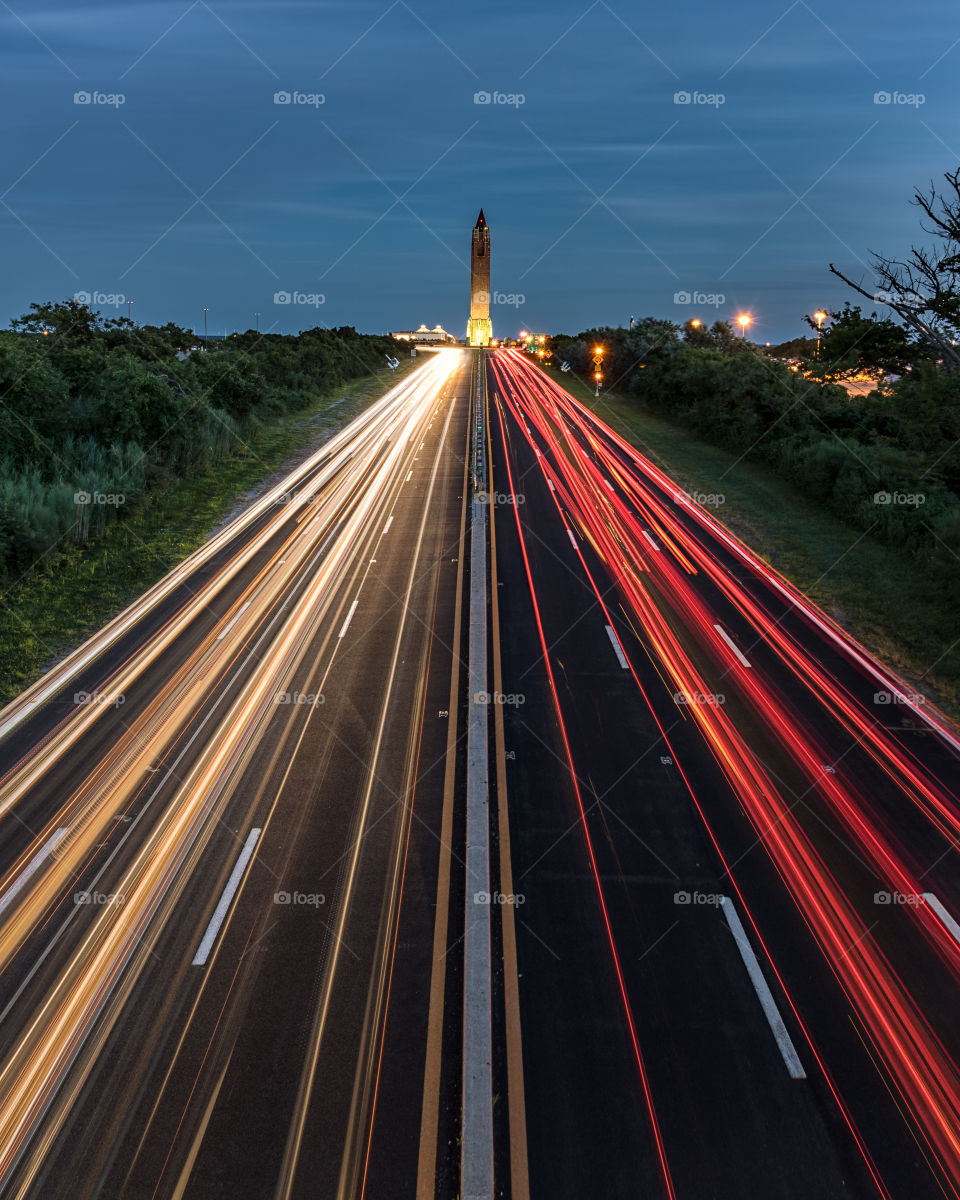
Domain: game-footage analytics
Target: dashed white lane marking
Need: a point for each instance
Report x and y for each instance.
(226, 898)
(952, 927)
(31, 869)
(346, 625)
(767, 1002)
(230, 624)
(617, 648)
(730, 642)
(650, 540)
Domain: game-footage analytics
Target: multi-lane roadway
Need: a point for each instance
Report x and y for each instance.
(221, 840)
(736, 838)
(238, 923)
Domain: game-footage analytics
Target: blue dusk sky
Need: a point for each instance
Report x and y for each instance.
(631, 159)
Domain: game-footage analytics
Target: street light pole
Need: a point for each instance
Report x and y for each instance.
(819, 317)
(205, 311)
(597, 365)
(257, 316)
(129, 306)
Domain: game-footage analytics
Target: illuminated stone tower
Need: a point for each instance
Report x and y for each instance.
(479, 328)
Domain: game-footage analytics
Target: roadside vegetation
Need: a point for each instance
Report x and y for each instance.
(121, 448)
(856, 498)
(875, 592)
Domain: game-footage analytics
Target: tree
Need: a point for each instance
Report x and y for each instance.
(852, 344)
(924, 289)
(798, 347)
(34, 401)
(720, 336)
(67, 319)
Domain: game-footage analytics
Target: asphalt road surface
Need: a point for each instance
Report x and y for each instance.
(735, 838)
(721, 883)
(221, 840)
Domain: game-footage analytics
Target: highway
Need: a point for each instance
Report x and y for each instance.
(240, 910)
(735, 839)
(221, 845)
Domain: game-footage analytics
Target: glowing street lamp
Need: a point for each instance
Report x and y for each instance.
(743, 321)
(819, 317)
(597, 367)
(695, 324)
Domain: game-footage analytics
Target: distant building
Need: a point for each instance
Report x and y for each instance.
(479, 329)
(423, 334)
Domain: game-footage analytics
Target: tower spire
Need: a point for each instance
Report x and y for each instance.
(479, 330)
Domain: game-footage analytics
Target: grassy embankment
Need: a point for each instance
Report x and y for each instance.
(876, 593)
(54, 607)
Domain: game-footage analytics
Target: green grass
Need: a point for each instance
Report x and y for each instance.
(878, 594)
(70, 595)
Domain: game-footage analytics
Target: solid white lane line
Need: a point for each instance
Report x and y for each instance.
(730, 642)
(650, 540)
(226, 629)
(31, 869)
(952, 927)
(346, 625)
(226, 899)
(617, 648)
(767, 1002)
(572, 538)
